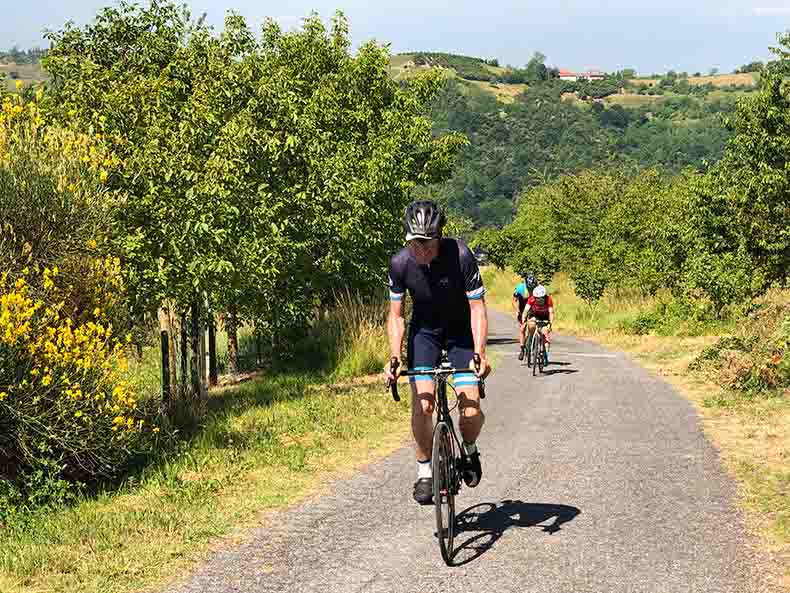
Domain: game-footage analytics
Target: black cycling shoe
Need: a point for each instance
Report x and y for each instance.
(472, 472)
(521, 353)
(423, 491)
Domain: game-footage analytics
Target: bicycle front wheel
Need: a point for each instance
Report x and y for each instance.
(444, 486)
(534, 352)
(541, 353)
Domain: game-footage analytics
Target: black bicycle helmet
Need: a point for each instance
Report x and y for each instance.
(530, 281)
(423, 219)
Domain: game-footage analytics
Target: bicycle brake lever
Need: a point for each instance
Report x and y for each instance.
(482, 387)
(393, 385)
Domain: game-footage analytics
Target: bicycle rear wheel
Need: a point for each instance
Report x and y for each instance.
(444, 486)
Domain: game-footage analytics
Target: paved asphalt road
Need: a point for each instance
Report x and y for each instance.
(597, 478)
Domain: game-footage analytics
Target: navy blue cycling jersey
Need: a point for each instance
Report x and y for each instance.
(441, 290)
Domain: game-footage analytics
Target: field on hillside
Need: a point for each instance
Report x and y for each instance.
(633, 100)
(747, 78)
(27, 73)
(504, 92)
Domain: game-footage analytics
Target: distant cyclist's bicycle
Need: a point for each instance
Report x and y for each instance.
(536, 354)
(446, 460)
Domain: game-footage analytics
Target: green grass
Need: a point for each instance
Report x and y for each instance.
(264, 445)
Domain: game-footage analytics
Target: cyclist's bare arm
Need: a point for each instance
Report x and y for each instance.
(480, 331)
(396, 327)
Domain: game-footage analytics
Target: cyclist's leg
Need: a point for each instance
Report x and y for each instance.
(531, 330)
(423, 353)
(460, 352)
(471, 417)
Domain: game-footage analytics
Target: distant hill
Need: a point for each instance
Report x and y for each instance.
(488, 76)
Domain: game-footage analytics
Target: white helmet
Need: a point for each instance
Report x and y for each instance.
(539, 292)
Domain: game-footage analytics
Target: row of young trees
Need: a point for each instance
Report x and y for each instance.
(253, 175)
(722, 234)
(263, 173)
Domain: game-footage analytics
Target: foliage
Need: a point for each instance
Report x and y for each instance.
(541, 137)
(291, 162)
(746, 197)
(755, 359)
(66, 414)
(465, 66)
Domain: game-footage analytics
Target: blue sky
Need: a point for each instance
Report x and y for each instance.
(688, 35)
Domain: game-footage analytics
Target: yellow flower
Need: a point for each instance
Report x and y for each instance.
(3, 395)
(46, 380)
(77, 414)
(91, 244)
(19, 85)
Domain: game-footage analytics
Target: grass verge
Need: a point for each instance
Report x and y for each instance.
(264, 445)
(751, 431)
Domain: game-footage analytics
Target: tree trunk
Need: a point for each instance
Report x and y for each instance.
(196, 362)
(171, 336)
(167, 326)
(184, 355)
(232, 327)
(212, 352)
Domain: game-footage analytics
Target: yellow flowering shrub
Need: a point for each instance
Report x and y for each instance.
(67, 415)
(64, 403)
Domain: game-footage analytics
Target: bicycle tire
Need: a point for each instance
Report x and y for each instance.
(533, 353)
(541, 353)
(444, 487)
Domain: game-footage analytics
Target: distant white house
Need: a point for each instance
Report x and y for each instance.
(589, 75)
(593, 75)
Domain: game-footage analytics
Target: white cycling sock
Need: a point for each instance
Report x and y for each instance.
(424, 469)
(470, 448)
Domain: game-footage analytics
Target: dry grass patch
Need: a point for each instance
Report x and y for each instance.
(504, 92)
(633, 100)
(747, 78)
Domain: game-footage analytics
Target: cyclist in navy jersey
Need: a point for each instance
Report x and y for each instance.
(448, 310)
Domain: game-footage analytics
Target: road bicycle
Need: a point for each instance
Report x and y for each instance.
(536, 354)
(446, 458)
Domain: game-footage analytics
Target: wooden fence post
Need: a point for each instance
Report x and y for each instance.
(165, 365)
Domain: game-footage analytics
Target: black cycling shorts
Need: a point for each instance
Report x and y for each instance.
(424, 348)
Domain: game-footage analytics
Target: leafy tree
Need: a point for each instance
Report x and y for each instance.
(536, 70)
(262, 173)
(746, 197)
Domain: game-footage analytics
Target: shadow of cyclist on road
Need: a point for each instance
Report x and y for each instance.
(486, 522)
